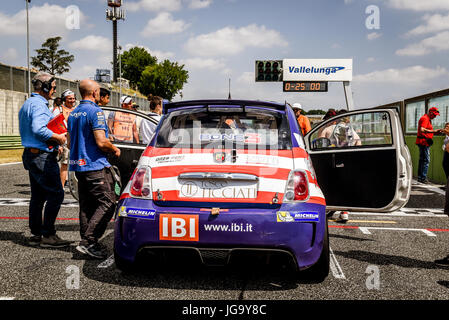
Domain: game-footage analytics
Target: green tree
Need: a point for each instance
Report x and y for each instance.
(165, 79)
(134, 62)
(52, 60)
(316, 111)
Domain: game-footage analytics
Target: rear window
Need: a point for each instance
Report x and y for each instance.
(205, 128)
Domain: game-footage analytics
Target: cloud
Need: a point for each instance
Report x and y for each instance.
(433, 23)
(209, 64)
(199, 4)
(419, 5)
(414, 75)
(247, 78)
(231, 41)
(92, 43)
(164, 24)
(160, 55)
(437, 43)
(9, 56)
(373, 35)
(154, 5)
(370, 59)
(45, 21)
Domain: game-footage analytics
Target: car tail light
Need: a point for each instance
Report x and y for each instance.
(141, 183)
(297, 187)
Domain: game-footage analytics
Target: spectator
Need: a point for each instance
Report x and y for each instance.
(123, 125)
(147, 128)
(303, 121)
(445, 261)
(57, 102)
(69, 100)
(89, 146)
(105, 95)
(424, 141)
(327, 131)
(39, 158)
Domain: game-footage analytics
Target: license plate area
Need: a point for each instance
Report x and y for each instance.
(217, 189)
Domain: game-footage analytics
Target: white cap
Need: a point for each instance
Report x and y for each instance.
(297, 105)
(66, 93)
(125, 99)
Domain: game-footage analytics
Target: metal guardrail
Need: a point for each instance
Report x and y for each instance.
(10, 142)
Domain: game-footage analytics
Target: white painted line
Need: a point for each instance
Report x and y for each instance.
(7, 298)
(335, 267)
(364, 230)
(107, 263)
(430, 187)
(24, 202)
(429, 233)
(9, 163)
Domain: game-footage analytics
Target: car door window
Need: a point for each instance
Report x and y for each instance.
(354, 131)
(127, 128)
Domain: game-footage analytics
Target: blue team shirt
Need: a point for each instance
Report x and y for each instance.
(33, 119)
(84, 152)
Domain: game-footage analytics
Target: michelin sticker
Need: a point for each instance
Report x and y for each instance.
(137, 213)
(304, 216)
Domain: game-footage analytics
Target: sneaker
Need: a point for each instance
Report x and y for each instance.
(34, 241)
(53, 242)
(82, 248)
(344, 217)
(96, 251)
(443, 262)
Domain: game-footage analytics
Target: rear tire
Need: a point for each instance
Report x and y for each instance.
(320, 270)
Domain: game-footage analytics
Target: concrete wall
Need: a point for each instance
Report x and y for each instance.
(10, 104)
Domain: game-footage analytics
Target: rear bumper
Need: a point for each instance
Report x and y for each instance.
(230, 232)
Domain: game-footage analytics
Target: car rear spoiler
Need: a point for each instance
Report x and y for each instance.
(223, 103)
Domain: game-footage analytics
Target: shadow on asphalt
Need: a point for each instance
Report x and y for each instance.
(444, 283)
(185, 274)
(19, 239)
(385, 259)
(348, 237)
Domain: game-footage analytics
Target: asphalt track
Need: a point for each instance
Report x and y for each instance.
(374, 257)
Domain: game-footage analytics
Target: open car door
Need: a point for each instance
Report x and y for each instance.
(128, 130)
(361, 161)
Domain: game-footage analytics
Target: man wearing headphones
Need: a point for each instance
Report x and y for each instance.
(39, 158)
(69, 101)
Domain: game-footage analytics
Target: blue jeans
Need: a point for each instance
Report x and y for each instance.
(424, 160)
(46, 187)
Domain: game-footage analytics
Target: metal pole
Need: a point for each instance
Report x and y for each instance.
(114, 49)
(120, 68)
(28, 50)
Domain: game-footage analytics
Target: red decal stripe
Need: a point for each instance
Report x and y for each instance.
(155, 152)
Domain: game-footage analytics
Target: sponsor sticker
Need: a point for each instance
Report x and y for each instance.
(137, 213)
(177, 227)
(303, 216)
(169, 159)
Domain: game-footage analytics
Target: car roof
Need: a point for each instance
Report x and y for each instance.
(223, 103)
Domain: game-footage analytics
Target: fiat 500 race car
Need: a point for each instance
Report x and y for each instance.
(227, 177)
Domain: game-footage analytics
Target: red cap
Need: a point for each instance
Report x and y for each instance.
(434, 110)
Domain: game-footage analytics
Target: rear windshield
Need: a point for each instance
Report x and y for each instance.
(203, 128)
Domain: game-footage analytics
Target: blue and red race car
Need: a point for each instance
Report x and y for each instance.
(227, 177)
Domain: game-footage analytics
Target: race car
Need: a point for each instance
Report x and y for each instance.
(222, 178)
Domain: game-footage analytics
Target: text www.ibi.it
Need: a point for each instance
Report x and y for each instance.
(234, 227)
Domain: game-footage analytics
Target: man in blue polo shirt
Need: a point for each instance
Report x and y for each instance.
(39, 158)
(89, 145)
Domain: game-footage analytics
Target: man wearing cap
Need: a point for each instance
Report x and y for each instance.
(122, 125)
(69, 101)
(424, 141)
(303, 121)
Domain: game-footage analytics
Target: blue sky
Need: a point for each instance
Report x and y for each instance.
(220, 39)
